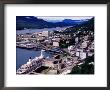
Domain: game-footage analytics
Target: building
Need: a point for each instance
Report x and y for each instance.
(83, 55)
(53, 63)
(86, 37)
(90, 53)
(91, 46)
(84, 44)
(56, 63)
(45, 33)
(56, 44)
(76, 39)
(77, 53)
(40, 38)
(48, 63)
(70, 48)
(56, 39)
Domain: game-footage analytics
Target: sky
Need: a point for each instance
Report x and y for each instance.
(60, 18)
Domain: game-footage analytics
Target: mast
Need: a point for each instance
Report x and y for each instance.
(42, 54)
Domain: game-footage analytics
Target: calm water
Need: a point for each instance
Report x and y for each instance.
(23, 55)
(38, 30)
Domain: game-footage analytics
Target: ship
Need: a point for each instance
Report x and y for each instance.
(31, 65)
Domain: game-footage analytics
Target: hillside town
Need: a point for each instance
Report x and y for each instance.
(68, 49)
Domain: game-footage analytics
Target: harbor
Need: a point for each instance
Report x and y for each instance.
(23, 56)
(57, 51)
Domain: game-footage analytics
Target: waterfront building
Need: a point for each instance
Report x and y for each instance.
(30, 45)
(48, 63)
(56, 63)
(53, 63)
(26, 35)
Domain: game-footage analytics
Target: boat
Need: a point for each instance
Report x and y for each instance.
(31, 65)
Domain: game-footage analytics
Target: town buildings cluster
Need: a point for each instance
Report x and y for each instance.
(68, 50)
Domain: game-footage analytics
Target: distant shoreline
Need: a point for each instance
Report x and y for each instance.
(38, 30)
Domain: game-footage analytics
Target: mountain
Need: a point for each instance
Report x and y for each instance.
(86, 25)
(30, 22)
(69, 21)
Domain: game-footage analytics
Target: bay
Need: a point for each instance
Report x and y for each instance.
(39, 30)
